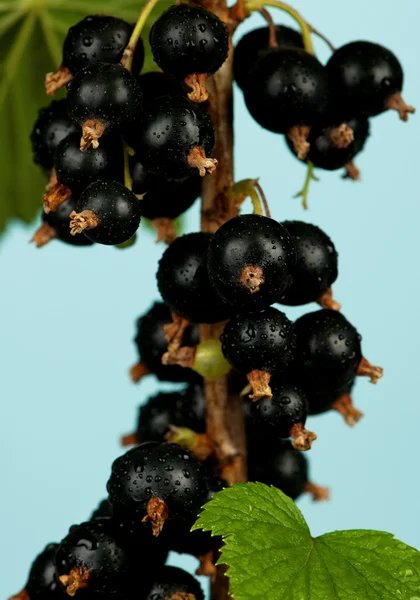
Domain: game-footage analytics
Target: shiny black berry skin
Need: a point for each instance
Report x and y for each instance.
(263, 341)
(256, 42)
(324, 154)
(99, 38)
(184, 283)
(51, 127)
(156, 470)
(42, 582)
(188, 40)
(320, 400)
(259, 247)
(275, 418)
(280, 465)
(156, 84)
(287, 87)
(59, 220)
(186, 408)
(363, 77)
(102, 511)
(104, 92)
(329, 350)
(116, 207)
(93, 546)
(152, 344)
(170, 128)
(316, 263)
(172, 580)
(76, 169)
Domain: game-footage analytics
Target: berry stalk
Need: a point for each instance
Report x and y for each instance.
(127, 59)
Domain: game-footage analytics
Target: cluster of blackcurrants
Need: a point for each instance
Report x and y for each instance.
(323, 111)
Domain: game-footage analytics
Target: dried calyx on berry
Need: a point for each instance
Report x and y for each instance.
(157, 482)
(288, 92)
(251, 261)
(152, 344)
(284, 467)
(101, 97)
(338, 399)
(42, 583)
(366, 80)
(97, 38)
(260, 345)
(252, 46)
(107, 213)
(175, 138)
(316, 266)
(191, 43)
(172, 583)
(56, 225)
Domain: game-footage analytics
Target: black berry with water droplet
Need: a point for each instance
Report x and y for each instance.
(42, 582)
(254, 43)
(99, 38)
(274, 418)
(187, 39)
(316, 263)
(251, 261)
(184, 283)
(172, 582)
(52, 126)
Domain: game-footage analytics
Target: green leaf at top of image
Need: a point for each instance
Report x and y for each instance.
(272, 555)
(31, 37)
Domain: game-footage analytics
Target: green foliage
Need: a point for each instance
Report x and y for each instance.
(271, 554)
(31, 36)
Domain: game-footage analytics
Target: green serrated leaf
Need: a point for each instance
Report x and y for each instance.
(272, 555)
(31, 37)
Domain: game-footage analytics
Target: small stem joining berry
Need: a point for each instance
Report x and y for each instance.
(81, 221)
(128, 182)
(207, 568)
(55, 196)
(318, 493)
(260, 384)
(298, 135)
(342, 136)
(263, 198)
(77, 579)
(252, 277)
(157, 513)
(396, 102)
(138, 371)
(165, 230)
(92, 130)
(198, 443)
(127, 58)
(302, 438)
(43, 235)
(197, 82)
(344, 406)
(55, 81)
(197, 159)
(352, 172)
(129, 440)
(305, 190)
(327, 300)
(365, 369)
(322, 37)
(271, 28)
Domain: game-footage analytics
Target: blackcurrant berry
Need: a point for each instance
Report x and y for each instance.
(321, 400)
(42, 583)
(155, 84)
(56, 225)
(76, 169)
(102, 511)
(183, 409)
(367, 79)
(254, 43)
(284, 415)
(324, 152)
(285, 468)
(101, 97)
(288, 92)
(172, 582)
(187, 41)
(184, 283)
(175, 138)
(260, 344)
(107, 213)
(155, 482)
(316, 266)
(90, 558)
(152, 344)
(52, 125)
(251, 261)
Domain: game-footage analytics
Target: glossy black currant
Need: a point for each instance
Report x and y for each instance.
(170, 128)
(275, 418)
(255, 43)
(152, 344)
(320, 400)
(316, 265)
(171, 581)
(263, 341)
(184, 283)
(187, 39)
(59, 220)
(156, 84)
(287, 87)
(117, 209)
(99, 38)
(42, 583)
(251, 261)
(102, 511)
(52, 126)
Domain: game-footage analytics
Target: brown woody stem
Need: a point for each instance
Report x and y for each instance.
(197, 82)
(344, 405)
(43, 235)
(327, 300)
(55, 81)
(302, 438)
(365, 369)
(157, 513)
(77, 579)
(207, 567)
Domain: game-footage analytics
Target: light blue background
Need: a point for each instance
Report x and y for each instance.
(67, 315)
